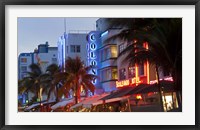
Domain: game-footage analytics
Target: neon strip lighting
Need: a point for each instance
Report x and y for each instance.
(166, 79)
(147, 64)
(104, 33)
(64, 53)
(136, 72)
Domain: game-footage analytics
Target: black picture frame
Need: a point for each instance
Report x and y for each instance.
(99, 2)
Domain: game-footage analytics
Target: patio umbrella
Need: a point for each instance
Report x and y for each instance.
(82, 102)
(62, 103)
(90, 101)
(38, 104)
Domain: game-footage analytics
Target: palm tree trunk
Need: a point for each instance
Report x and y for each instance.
(160, 90)
(57, 99)
(36, 93)
(76, 93)
(77, 97)
(129, 105)
(86, 93)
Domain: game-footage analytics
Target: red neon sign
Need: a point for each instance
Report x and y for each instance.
(127, 82)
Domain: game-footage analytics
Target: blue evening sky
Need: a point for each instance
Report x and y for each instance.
(35, 31)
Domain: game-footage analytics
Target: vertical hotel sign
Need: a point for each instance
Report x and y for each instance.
(92, 52)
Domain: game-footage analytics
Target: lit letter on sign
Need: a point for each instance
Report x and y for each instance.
(92, 46)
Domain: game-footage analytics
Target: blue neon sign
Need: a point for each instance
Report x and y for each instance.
(104, 33)
(92, 59)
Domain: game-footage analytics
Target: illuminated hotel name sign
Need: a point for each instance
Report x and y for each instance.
(92, 56)
(133, 81)
(127, 82)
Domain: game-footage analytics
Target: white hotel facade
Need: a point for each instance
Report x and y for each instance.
(72, 45)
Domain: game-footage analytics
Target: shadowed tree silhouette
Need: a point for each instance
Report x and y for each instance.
(55, 79)
(33, 81)
(40, 83)
(78, 75)
(164, 37)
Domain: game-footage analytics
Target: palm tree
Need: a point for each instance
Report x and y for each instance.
(32, 81)
(39, 83)
(164, 37)
(166, 44)
(55, 80)
(78, 76)
(24, 87)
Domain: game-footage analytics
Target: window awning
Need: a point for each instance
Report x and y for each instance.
(167, 86)
(125, 91)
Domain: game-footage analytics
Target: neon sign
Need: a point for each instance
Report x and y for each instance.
(92, 56)
(166, 78)
(127, 82)
(104, 33)
(93, 46)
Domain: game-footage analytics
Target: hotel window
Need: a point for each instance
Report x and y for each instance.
(121, 47)
(72, 48)
(109, 74)
(122, 74)
(23, 60)
(75, 48)
(114, 73)
(131, 71)
(109, 52)
(114, 51)
(23, 68)
(104, 54)
(78, 48)
(106, 74)
(141, 70)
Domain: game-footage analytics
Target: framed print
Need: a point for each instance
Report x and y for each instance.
(99, 64)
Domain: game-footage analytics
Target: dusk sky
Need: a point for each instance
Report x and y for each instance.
(35, 31)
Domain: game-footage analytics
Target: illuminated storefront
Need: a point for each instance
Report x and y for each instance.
(115, 74)
(131, 75)
(110, 68)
